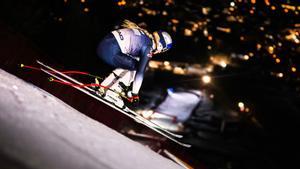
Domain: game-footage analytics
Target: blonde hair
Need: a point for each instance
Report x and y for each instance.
(128, 24)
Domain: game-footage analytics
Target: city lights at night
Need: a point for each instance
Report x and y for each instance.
(211, 84)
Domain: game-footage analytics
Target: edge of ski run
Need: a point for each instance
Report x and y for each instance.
(125, 111)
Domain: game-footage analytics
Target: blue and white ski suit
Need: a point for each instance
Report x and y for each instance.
(127, 49)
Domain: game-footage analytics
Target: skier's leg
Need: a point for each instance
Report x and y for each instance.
(125, 61)
(107, 49)
(128, 78)
(120, 61)
(111, 80)
(129, 63)
(115, 75)
(132, 76)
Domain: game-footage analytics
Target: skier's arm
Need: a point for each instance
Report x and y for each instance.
(143, 62)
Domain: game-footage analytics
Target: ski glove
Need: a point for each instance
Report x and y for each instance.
(134, 99)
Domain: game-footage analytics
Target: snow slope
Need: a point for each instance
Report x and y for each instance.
(37, 130)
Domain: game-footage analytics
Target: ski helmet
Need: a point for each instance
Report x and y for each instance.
(165, 41)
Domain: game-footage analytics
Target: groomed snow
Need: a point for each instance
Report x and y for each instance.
(39, 131)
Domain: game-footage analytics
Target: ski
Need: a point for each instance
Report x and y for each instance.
(126, 108)
(126, 111)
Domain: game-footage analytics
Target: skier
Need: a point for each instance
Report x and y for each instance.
(131, 48)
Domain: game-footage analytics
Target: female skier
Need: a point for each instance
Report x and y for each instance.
(131, 48)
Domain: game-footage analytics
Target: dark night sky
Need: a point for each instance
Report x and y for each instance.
(72, 41)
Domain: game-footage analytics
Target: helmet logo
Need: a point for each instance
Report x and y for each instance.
(163, 40)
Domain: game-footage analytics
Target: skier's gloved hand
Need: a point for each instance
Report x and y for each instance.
(135, 98)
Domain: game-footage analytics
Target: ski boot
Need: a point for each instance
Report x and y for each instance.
(129, 98)
(109, 95)
(114, 98)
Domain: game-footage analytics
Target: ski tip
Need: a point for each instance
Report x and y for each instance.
(188, 145)
(39, 62)
(185, 145)
(177, 135)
